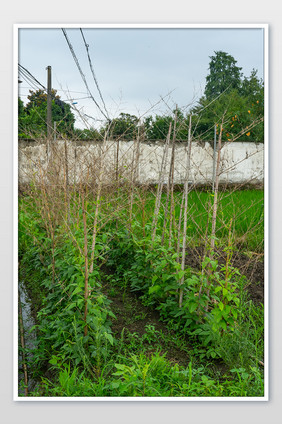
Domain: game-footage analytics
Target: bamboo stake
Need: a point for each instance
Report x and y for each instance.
(117, 163)
(215, 202)
(86, 291)
(95, 222)
(66, 180)
(229, 253)
(186, 186)
(171, 215)
(169, 190)
(51, 229)
(160, 185)
(133, 176)
(179, 227)
(215, 206)
(21, 327)
(205, 245)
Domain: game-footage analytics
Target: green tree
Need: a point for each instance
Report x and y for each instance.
(223, 74)
(240, 99)
(87, 134)
(38, 98)
(32, 120)
(157, 127)
(253, 88)
(31, 124)
(240, 112)
(125, 127)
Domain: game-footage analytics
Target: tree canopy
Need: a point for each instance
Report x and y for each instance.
(240, 100)
(125, 127)
(32, 117)
(223, 75)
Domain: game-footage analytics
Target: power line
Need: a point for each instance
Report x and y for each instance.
(77, 98)
(81, 73)
(92, 70)
(68, 91)
(29, 76)
(29, 80)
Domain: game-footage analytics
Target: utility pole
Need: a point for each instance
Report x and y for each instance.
(49, 103)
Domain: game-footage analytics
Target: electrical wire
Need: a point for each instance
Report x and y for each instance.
(25, 72)
(92, 71)
(81, 73)
(32, 81)
(29, 81)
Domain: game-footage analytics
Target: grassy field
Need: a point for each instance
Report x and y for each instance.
(244, 207)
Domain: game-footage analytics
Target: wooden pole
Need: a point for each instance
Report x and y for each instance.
(160, 185)
(186, 186)
(49, 103)
(215, 201)
(171, 215)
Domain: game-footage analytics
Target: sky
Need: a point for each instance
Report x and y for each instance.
(141, 71)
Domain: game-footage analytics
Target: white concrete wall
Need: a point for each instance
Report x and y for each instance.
(241, 162)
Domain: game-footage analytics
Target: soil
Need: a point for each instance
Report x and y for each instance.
(132, 316)
(252, 266)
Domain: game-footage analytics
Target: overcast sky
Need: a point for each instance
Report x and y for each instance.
(134, 67)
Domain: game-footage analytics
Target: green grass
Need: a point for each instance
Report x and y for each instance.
(244, 207)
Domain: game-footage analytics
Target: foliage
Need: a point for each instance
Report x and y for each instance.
(154, 376)
(38, 98)
(32, 118)
(223, 75)
(156, 128)
(239, 101)
(216, 315)
(87, 134)
(60, 324)
(155, 271)
(124, 127)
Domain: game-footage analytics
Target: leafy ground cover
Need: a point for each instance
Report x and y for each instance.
(128, 336)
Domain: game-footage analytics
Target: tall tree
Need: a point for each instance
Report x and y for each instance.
(33, 121)
(223, 74)
(240, 99)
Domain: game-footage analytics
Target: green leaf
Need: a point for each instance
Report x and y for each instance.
(115, 384)
(221, 306)
(154, 278)
(154, 289)
(192, 307)
(77, 290)
(54, 360)
(180, 274)
(109, 337)
(234, 313)
(71, 306)
(224, 291)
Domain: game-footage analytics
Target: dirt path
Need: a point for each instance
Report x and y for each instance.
(132, 317)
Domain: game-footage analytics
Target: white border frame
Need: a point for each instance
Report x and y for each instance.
(16, 28)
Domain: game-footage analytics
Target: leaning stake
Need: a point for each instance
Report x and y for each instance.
(188, 157)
